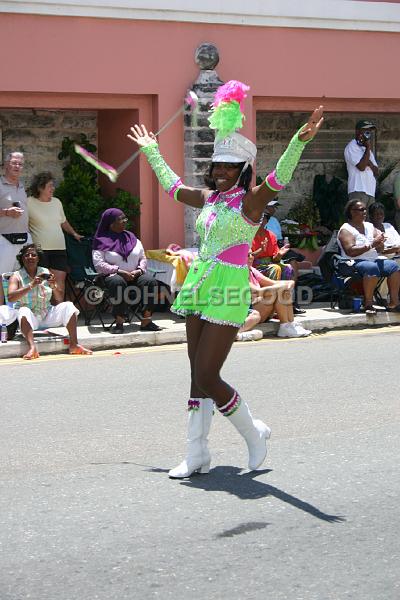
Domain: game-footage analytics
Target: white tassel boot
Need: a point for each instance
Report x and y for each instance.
(255, 432)
(198, 457)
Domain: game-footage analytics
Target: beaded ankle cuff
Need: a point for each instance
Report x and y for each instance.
(193, 404)
(231, 406)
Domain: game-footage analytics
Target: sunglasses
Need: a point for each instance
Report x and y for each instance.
(226, 165)
(360, 209)
(31, 254)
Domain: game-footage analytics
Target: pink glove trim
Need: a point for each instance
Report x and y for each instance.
(272, 182)
(174, 188)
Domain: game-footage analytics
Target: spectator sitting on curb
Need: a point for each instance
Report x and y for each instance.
(32, 289)
(269, 297)
(267, 255)
(270, 260)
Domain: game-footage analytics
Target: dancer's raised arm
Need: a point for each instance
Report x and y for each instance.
(256, 199)
(169, 180)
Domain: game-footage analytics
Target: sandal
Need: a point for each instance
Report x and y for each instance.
(395, 309)
(370, 310)
(150, 327)
(32, 357)
(81, 350)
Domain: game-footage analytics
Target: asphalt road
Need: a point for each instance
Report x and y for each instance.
(87, 511)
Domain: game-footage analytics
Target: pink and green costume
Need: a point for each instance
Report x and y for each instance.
(217, 286)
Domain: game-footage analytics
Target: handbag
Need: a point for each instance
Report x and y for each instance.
(345, 267)
(16, 238)
(12, 330)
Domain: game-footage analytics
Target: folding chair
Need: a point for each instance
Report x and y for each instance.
(12, 327)
(86, 287)
(83, 284)
(344, 281)
(135, 310)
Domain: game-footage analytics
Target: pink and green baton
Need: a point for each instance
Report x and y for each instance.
(191, 101)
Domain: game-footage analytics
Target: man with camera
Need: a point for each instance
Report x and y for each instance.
(13, 214)
(361, 165)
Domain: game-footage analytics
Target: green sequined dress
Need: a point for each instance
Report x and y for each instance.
(217, 285)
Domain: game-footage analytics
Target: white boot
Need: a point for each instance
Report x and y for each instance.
(198, 456)
(255, 432)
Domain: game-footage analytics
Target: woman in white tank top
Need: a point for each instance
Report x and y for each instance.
(361, 241)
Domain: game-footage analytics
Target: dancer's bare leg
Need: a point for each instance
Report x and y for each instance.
(194, 327)
(212, 349)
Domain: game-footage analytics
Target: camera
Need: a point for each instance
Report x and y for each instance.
(17, 204)
(45, 275)
(367, 135)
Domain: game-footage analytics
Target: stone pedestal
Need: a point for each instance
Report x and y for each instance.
(199, 139)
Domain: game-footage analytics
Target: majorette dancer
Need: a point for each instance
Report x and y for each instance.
(215, 296)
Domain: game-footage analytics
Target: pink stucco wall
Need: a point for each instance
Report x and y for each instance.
(145, 68)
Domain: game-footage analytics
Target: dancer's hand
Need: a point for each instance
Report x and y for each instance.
(311, 128)
(141, 136)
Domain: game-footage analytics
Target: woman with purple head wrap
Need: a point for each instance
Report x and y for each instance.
(119, 256)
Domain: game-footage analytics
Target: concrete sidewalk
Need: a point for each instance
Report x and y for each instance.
(318, 318)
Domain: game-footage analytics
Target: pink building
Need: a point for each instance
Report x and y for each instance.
(117, 63)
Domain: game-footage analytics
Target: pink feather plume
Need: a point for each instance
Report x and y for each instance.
(232, 90)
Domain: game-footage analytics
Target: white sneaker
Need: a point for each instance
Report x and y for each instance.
(300, 329)
(288, 330)
(249, 336)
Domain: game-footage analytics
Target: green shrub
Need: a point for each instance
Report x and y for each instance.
(330, 197)
(79, 191)
(305, 212)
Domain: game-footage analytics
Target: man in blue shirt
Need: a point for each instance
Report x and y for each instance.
(273, 223)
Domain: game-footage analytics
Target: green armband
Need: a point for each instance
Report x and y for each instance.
(165, 175)
(287, 163)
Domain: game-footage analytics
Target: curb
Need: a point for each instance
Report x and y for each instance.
(55, 344)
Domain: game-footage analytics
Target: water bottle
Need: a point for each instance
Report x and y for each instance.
(3, 334)
(285, 241)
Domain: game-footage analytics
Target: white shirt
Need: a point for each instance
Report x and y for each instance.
(102, 261)
(359, 181)
(392, 237)
(360, 240)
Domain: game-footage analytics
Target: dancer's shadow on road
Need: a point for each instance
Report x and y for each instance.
(246, 487)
